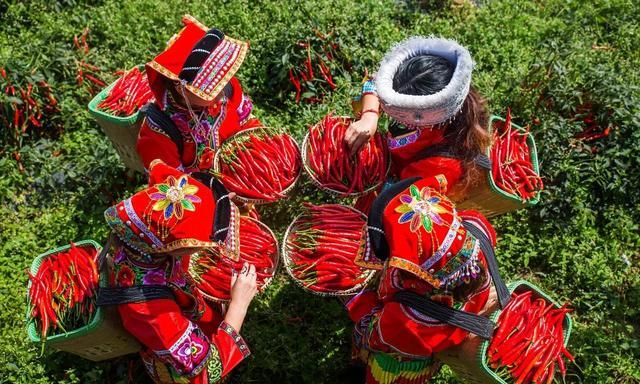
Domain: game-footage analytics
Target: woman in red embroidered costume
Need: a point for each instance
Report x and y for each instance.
(428, 250)
(438, 120)
(184, 339)
(198, 101)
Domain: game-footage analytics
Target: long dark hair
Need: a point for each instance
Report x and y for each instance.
(467, 134)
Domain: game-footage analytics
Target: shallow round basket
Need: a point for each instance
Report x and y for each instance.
(314, 180)
(287, 262)
(247, 200)
(267, 281)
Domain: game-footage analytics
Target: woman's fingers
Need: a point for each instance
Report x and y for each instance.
(358, 143)
(350, 135)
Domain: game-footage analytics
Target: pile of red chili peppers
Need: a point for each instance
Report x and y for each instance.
(257, 246)
(259, 164)
(332, 166)
(130, 93)
(322, 246)
(311, 71)
(62, 293)
(528, 344)
(512, 168)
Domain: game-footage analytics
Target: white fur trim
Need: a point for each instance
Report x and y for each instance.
(427, 109)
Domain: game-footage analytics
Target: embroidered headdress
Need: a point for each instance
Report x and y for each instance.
(176, 214)
(416, 228)
(424, 110)
(203, 59)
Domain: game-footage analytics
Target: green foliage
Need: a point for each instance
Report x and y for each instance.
(544, 59)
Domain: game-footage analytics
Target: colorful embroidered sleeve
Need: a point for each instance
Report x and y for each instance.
(178, 347)
(231, 349)
(369, 87)
(154, 144)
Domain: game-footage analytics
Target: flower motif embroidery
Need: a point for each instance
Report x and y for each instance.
(420, 208)
(154, 277)
(174, 197)
(126, 277)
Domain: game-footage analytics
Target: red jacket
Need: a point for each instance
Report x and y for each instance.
(385, 325)
(219, 122)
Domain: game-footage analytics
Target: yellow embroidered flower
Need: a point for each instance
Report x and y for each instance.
(419, 207)
(174, 197)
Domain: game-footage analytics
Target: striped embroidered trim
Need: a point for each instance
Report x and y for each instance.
(180, 341)
(219, 70)
(133, 216)
(399, 142)
(125, 233)
(242, 345)
(209, 69)
(445, 245)
(408, 266)
(443, 183)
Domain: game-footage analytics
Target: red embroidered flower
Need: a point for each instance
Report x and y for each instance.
(206, 159)
(126, 276)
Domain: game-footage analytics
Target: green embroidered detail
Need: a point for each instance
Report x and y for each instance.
(175, 197)
(124, 232)
(420, 208)
(214, 366)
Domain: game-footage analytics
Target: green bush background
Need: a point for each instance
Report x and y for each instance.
(542, 58)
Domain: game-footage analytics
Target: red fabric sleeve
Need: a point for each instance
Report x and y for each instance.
(231, 346)
(361, 305)
(153, 145)
(181, 344)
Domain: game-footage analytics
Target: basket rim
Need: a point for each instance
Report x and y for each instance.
(247, 200)
(534, 161)
(267, 281)
(98, 316)
(286, 261)
(316, 182)
(97, 99)
(512, 287)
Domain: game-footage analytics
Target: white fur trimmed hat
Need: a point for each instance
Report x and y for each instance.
(424, 110)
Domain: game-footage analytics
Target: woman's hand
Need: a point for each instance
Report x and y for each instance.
(361, 131)
(243, 290)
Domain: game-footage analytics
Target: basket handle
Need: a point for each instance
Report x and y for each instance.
(102, 256)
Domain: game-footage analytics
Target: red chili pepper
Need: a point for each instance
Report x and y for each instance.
(309, 65)
(332, 165)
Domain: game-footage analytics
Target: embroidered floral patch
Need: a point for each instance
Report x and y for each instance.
(175, 197)
(420, 208)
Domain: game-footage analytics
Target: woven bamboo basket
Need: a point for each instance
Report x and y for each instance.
(287, 262)
(102, 338)
(121, 130)
(238, 197)
(488, 198)
(267, 282)
(469, 360)
(316, 182)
